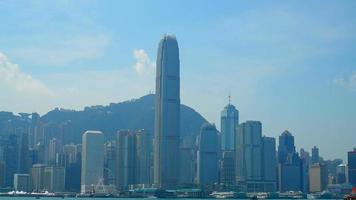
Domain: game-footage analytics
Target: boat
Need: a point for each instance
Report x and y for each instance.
(352, 195)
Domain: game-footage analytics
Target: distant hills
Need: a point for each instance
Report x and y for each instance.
(133, 114)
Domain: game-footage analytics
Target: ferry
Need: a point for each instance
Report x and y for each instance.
(352, 195)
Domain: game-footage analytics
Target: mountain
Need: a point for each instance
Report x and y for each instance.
(133, 114)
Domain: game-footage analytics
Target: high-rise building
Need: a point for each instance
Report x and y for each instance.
(92, 160)
(208, 156)
(318, 177)
(143, 157)
(269, 162)
(286, 148)
(229, 123)
(167, 114)
(248, 151)
(188, 160)
(38, 177)
(351, 160)
(227, 169)
(70, 153)
(53, 151)
(110, 163)
(54, 179)
(290, 167)
(22, 182)
(126, 161)
(341, 172)
(315, 155)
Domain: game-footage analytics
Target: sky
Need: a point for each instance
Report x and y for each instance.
(289, 64)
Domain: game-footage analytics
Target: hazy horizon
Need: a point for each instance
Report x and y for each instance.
(289, 65)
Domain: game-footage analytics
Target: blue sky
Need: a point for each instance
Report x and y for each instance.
(289, 64)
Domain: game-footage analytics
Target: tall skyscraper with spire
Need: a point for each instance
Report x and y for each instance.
(229, 123)
(167, 114)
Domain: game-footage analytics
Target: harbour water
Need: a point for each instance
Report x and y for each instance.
(87, 198)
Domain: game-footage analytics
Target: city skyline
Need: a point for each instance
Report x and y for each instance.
(310, 92)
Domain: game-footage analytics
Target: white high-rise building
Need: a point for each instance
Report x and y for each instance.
(92, 160)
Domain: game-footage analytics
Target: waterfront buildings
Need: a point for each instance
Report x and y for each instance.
(269, 163)
(250, 158)
(318, 177)
(22, 182)
(92, 160)
(227, 169)
(126, 161)
(38, 177)
(54, 179)
(351, 160)
(188, 161)
(290, 167)
(167, 114)
(208, 156)
(341, 174)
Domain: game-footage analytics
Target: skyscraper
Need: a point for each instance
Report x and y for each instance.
(249, 155)
(248, 151)
(167, 114)
(290, 168)
(286, 148)
(318, 177)
(351, 161)
(229, 122)
(92, 160)
(126, 161)
(315, 155)
(269, 162)
(143, 157)
(208, 156)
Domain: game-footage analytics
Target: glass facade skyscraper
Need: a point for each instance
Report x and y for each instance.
(229, 123)
(167, 114)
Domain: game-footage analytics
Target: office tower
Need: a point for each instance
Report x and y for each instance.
(38, 177)
(125, 172)
(73, 167)
(22, 182)
(53, 151)
(290, 167)
(110, 163)
(188, 160)
(208, 156)
(54, 179)
(318, 177)
(34, 128)
(92, 160)
(351, 160)
(248, 152)
(227, 169)
(24, 157)
(9, 156)
(143, 157)
(167, 114)
(305, 159)
(70, 153)
(269, 162)
(315, 155)
(250, 158)
(341, 172)
(286, 148)
(229, 123)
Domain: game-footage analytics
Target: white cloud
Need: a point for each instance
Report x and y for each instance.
(20, 90)
(143, 65)
(60, 52)
(347, 82)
